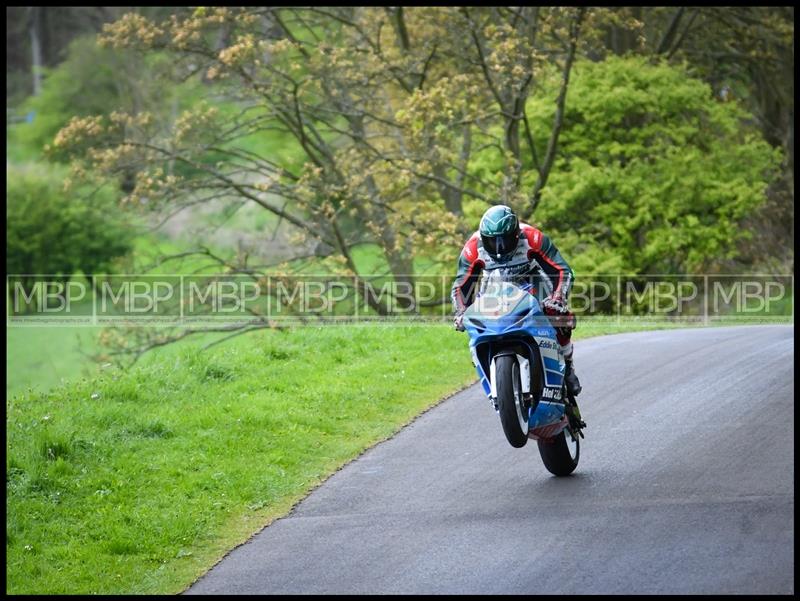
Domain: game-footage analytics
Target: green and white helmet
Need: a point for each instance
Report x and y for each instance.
(499, 231)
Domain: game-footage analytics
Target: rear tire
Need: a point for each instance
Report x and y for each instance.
(513, 413)
(560, 456)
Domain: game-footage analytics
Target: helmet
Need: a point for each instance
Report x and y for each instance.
(499, 231)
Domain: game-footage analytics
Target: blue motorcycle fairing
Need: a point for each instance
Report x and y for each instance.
(509, 312)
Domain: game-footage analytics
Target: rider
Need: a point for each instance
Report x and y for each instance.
(502, 240)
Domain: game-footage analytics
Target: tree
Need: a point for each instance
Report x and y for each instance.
(391, 109)
(56, 234)
(95, 81)
(655, 174)
(405, 123)
(37, 38)
(746, 53)
(386, 105)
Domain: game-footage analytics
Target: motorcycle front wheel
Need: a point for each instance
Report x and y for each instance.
(513, 412)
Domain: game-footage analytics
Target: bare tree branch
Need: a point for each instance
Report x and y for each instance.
(669, 34)
(559, 116)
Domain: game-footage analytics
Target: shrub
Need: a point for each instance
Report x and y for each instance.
(54, 232)
(654, 174)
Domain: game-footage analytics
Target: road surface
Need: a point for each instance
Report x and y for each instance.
(685, 485)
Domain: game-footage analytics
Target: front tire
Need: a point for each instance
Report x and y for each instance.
(560, 456)
(513, 412)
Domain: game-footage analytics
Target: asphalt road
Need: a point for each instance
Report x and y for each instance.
(685, 485)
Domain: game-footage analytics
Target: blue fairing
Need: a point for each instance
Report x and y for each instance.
(507, 312)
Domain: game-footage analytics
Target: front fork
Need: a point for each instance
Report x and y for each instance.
(524, 376)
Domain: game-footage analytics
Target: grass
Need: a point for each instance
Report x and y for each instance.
(42, 357)
(137, 482)
(39, 358)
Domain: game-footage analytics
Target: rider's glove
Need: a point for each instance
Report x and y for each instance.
(458, 322)
(555, 303)
(556, 308)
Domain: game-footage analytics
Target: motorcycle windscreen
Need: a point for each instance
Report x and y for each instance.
(498, 299)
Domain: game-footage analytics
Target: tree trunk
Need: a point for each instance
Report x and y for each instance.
(451, 196)
(36, 48)
(558, 120)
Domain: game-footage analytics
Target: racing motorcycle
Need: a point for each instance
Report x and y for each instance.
(521, 369)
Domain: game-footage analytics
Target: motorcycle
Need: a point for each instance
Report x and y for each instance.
(521, 369)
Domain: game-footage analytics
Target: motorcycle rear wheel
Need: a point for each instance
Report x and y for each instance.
(560, 456)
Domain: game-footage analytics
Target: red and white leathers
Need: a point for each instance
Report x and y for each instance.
(535, 257)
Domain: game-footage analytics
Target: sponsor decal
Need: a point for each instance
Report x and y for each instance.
(551, 393)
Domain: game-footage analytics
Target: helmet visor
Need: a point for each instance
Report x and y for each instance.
(504, 244)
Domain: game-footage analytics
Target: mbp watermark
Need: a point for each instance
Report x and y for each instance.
(46, 297)
(231, 299)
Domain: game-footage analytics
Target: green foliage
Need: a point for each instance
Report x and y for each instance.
(52, 231)
(84, 84)
(654, 173)
(94, 81)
